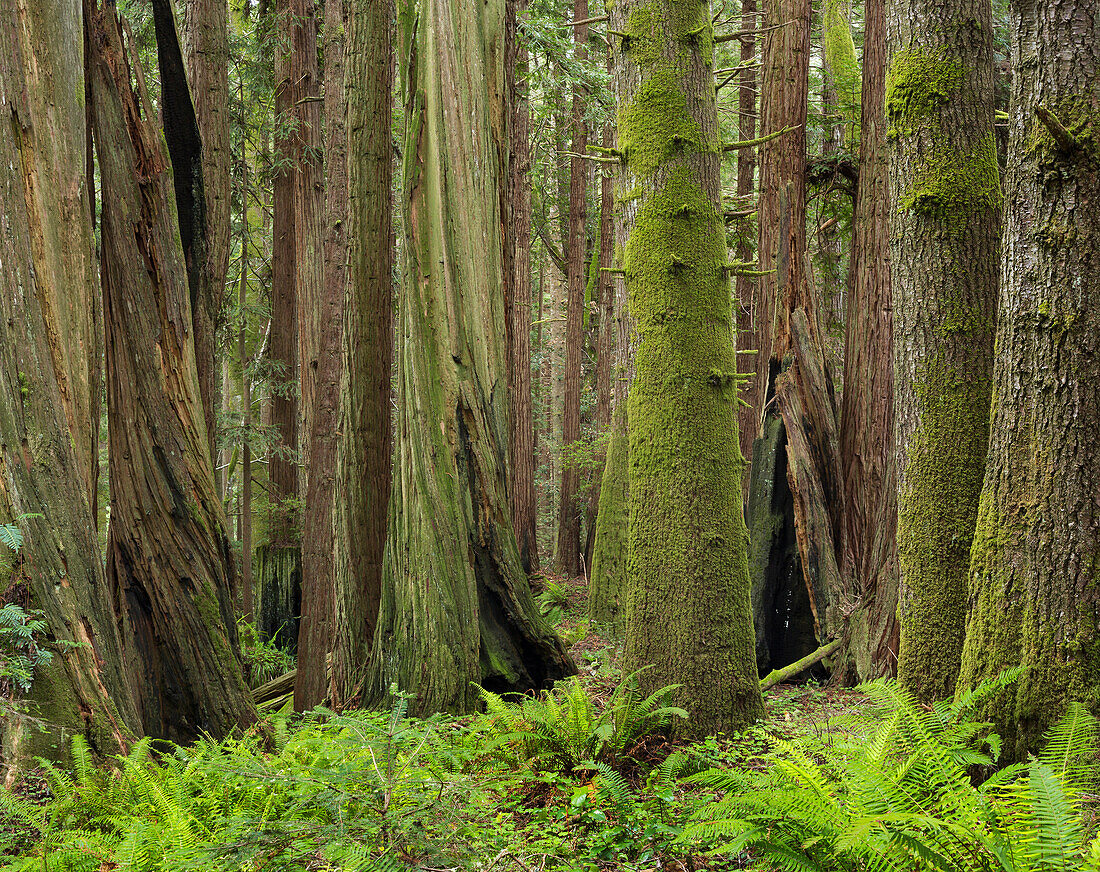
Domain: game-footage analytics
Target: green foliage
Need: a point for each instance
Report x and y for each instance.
(567, 727)
(905, 799)
(261, 658)
(553, 602)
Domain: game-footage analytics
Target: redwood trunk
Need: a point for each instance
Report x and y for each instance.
(168, 561)
(569, 509)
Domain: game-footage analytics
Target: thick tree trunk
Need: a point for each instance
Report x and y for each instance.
(316, 633)
(364, 460)
(524, 499)
(168, 561)
(569, 509)
(205, 38)
(868, 543)
(247, 599)
(456, 607)
(50, 384)
(688, 613)
(943, 256)
(1033, 572)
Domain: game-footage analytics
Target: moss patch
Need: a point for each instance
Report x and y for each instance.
(952, 187)
(918, 82)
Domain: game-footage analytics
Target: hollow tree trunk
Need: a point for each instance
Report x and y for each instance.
(456, 606)
(316, 633)
(50, 385)
(364, 458)
(688, 612)
(943, 256)
(168, 562)
(569, 510)
(868, 544)
(1033, 571)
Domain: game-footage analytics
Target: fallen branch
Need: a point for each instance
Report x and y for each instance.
(778, 676)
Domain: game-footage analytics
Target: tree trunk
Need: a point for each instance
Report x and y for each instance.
(745, 287)
(168, 560)
(522, 433)
(943, 256)
(205, 36)
(868, 543)
(605, 306)
(364, 465)
(278, 557)
(316, 633)
(246, 409)
(688, 612)
(1033, 572)
(309, 189)
(456, 607)
(50, 385)
(569, 510)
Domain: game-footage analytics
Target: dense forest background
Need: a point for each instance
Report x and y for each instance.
(340, 339)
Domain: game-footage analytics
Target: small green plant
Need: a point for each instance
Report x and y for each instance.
(553, 602)
(560, 729)
(262, 659)
(905, 800)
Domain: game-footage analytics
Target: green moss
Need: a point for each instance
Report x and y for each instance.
(840, 54)
(937, 509)
(1080, 117)
(607, 584)
(951, 188)
(918, 82)
(655, 126)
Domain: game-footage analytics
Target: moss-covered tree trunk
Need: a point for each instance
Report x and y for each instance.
(1035, 564)
(868, 554)
(168, 562)
(946, 201)
(688, 613)
(456, 607)
(364, 459)
(50, 385)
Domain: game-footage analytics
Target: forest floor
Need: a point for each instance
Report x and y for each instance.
(377, 792)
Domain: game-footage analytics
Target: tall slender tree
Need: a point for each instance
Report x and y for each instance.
(688, 612)
(868, 544)
(944, 253)
(364, 461)
(168, 561)
(569, 510)
(1033, 571)
(456, 606)
(316, 633)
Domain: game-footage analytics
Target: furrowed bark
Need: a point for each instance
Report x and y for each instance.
(316, 633)
(168, 563)
(1033, 568)
(49, 387)
(456, 606)
(364, 459)
(569, 510)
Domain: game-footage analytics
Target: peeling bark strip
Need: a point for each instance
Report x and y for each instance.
(168, 558)
(456, 606)
(49, 385)
(688, 613)
(944, 248)
(1035, 564)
